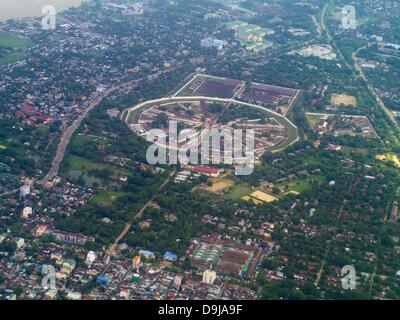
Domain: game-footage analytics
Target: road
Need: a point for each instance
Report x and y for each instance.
(323, 21)
(371, 88)
(68, 133)
(356, 67)
(330, 242)
(138, 215)
(282, 119)
(66, 136)
(212, 99)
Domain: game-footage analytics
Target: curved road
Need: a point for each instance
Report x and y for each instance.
(212, 99)
(356, 67)
(284, 121)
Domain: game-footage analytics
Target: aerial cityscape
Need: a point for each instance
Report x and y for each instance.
(200, 150)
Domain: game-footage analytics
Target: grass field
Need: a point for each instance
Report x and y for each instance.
(296, 185)
(105, 199)
(12, 57)
(313, 119)
(103, 174)
(81, 164)
(238, 191)
(14, 43)
(300, 185)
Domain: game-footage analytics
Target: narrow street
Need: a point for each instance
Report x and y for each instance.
(138, 215)
(371, 88)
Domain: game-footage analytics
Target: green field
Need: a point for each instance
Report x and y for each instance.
(105, 199)
(296, 185)
(13, 44)
(12, 57)
(81, 164)
(238, 191)
(301, 185)
(313, 119)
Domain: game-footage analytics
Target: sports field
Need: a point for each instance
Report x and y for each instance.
(219, 185)
(262, 196)
(339, 99)
(105, 199)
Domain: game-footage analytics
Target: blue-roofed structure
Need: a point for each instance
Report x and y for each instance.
(169, 256)
(103, 280)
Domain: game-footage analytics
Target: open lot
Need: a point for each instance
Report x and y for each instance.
(238, 191)
(262, 196)
(254, 200)
(203, 85)
(277, 98)
(92, 172)
(219, 185)
(10, 46)
(81, 164)
(390, 157)
(14, 42)
(343, 99)
(299, 186)
(105, 199)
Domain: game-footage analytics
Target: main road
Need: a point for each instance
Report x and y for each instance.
(67, 134)
(356, 68)
(371, 88)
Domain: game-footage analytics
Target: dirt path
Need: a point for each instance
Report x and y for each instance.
(138, 215)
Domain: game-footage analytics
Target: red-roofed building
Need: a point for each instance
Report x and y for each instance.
(26, 108)
(29, 115)
(208, 171)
